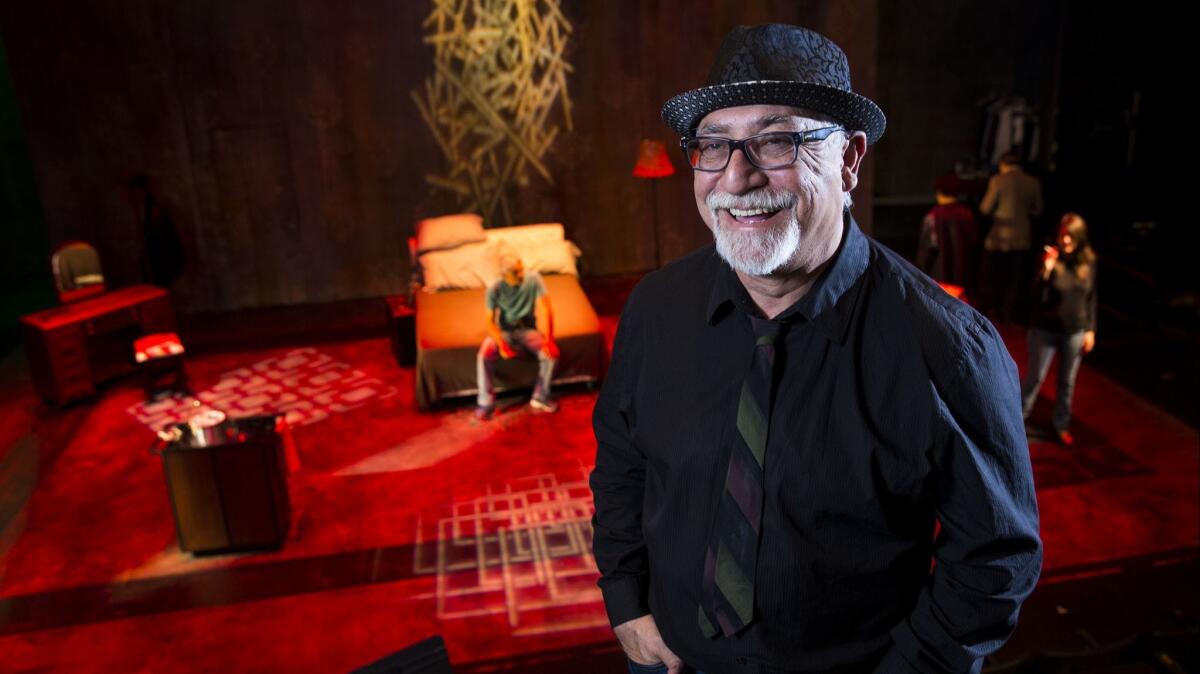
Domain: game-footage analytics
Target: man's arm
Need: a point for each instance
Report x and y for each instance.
(493, 331)
(988, 553)
(991, 196)
(927, 244)
(1093, 294)
(547, 312)
(618, 486)
(618, 483)
(493, 322)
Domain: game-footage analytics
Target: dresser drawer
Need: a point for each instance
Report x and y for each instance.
(111, 322)
(72, 379)
(68, 352)
(75, 392)
(63, 369)
(64, 341)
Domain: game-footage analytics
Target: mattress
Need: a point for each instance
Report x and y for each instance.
(451, 325)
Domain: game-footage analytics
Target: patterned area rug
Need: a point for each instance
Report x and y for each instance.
(304, 384)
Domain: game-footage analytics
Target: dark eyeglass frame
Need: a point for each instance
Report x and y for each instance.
(798, 138)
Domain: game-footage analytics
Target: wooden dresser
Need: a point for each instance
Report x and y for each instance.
(74, 347)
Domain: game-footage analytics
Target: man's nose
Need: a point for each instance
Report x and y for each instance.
(740, 175)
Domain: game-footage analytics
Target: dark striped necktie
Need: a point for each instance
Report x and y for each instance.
(727, 589)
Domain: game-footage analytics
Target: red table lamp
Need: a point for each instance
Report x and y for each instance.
(652, 160)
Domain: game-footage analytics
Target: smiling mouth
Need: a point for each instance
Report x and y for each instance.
(751, 216)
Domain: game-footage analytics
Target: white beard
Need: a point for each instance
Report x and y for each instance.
(751, 252)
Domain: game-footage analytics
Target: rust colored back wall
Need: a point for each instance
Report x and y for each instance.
(282, 137)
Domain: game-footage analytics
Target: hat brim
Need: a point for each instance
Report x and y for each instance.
(857, 113)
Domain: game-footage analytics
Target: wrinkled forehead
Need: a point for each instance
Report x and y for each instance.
(751, 119)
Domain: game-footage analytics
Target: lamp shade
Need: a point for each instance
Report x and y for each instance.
(652, 160)
(957, 292)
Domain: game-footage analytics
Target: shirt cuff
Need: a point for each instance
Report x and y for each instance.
(624, 598)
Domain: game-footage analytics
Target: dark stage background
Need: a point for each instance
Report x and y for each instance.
(283, 139)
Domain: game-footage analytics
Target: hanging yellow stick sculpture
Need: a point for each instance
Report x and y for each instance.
(498, 69)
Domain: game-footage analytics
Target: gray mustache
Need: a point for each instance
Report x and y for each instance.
(765, 199)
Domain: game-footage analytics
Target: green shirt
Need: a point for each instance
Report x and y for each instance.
(516, 303)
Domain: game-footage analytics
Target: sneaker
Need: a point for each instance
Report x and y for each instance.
(543, 405)
(484, 412)
(1065, 438)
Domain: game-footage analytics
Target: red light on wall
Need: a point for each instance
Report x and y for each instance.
(652, 160)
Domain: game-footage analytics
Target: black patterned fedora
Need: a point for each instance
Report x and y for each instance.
(778, 64)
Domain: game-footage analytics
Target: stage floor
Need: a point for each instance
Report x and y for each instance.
(407, 525)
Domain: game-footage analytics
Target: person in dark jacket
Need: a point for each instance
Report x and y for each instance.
(790, 409)
(949, 237)
(1063, 320)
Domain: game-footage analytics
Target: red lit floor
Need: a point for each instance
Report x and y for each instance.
(407, 525)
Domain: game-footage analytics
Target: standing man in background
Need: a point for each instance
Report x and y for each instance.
(1013, 199)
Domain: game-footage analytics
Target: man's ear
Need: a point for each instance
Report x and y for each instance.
(852, 156)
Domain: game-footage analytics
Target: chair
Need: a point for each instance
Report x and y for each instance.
(78, 276)
(77, 272)
(160, 358)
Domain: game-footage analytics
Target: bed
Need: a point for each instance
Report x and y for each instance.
(456, 259)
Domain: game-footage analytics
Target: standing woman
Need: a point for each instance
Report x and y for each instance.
(1063, 319)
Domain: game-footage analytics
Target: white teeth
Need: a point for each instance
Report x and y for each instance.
(739, 213)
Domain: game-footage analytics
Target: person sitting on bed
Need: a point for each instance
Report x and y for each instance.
(512, 304)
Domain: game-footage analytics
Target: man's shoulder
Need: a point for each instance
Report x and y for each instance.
(947, 330)
(688, 277)
(533, 281)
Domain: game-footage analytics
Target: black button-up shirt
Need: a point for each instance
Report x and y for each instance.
(897, 406)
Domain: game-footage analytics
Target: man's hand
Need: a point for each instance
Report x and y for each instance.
(644, 645)
(1089, 341)
(506, 351)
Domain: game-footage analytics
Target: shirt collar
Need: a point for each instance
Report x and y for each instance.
(849, 263)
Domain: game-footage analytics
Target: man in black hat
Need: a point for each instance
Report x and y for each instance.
(793, 412)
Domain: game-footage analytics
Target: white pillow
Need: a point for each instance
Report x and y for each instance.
(471, 265)
(553, 258)
(449, 231)
(524, 237)
(542, 248)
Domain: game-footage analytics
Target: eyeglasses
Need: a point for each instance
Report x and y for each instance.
(765, 151)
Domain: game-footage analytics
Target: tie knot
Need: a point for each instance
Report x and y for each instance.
(765, 331)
